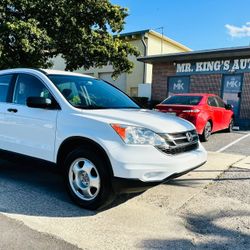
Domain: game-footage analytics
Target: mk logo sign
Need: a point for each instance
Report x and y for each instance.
(233, 83)
(179, 85)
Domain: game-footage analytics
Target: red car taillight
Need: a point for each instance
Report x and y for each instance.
(189, 114)
(191, 111)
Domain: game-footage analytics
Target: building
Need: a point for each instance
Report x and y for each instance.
(148, 42)
(225, 72)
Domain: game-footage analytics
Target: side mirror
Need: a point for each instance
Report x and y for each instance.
(228, 106)
(38, 102)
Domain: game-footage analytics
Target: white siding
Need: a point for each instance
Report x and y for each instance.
(120, 82)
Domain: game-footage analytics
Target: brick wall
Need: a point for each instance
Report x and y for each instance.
(198, 83)
(206, 84)
(161, 71)
(245, 98)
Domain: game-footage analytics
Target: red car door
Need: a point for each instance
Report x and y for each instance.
(216, 113)
(226, 114)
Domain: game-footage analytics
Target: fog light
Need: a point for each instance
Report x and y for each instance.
(154, 176)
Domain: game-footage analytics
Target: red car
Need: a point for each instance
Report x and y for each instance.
(207, 112)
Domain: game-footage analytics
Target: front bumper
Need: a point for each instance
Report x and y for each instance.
(148, 164)
(122, 185)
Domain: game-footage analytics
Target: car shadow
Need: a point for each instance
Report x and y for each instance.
(219, 170)
(204, 232)
(38, 190)
(187, 182)
(184, 181)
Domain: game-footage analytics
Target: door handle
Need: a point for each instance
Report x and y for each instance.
(12, 110)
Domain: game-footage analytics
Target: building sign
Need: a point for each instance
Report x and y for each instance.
(214, 66)
(232, 84)
(231, 91)
(178, 85)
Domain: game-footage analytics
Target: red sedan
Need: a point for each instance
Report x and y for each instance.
(207, 112)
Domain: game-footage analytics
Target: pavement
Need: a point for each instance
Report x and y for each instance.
(244, 163)
(15, 235)
(236, 142)
(167, 216)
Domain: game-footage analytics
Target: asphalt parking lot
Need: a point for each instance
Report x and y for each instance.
(236, 142)
(205, 209)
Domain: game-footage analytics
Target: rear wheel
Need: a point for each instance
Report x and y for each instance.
(87, 179)
(206, 132)
(230, 126)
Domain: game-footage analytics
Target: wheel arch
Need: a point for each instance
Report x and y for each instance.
(211, 122)
(75, 142)
(208, 119)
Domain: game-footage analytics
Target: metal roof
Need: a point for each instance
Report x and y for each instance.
(234, 52)
(154, 33)
(139, 32)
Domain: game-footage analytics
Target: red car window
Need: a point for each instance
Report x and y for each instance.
(221, 104)
(183, 100)
(212, 101)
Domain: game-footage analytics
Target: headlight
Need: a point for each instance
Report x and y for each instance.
(138, 135)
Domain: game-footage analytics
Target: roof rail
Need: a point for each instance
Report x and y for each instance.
(40, 70)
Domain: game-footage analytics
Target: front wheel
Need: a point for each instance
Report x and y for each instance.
(87, 179)
(206, 132)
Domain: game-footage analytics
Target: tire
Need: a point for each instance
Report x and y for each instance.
(87, 179)
(206, 132)
(230, 126)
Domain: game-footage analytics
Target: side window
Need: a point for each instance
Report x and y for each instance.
(221, 104)
(26, 86)
(4, 86)
(212, 102)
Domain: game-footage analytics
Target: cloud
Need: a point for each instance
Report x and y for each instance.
(234, 31)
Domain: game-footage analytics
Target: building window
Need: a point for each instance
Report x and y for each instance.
(89, 74)
(134, 91)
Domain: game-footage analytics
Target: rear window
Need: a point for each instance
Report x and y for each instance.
(183, 100)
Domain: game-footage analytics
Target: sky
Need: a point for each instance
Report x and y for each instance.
(198, 24)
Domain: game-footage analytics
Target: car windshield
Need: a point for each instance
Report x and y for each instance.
(183, 100)
(90, 93)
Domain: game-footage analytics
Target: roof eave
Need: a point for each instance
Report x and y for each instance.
(198, 55)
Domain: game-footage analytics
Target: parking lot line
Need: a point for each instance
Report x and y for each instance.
(232, 143)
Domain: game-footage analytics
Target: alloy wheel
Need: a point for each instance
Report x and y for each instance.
(84, 179)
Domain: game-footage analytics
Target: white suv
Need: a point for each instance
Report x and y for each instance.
(101, 139)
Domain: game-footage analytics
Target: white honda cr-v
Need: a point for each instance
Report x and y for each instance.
(101, 139)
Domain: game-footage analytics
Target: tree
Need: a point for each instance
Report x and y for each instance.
(81, 31)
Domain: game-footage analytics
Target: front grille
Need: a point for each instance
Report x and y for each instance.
(180, 142)
(178, 150)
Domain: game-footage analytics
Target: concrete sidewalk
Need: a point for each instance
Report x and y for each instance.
(182, 189)
(152, 213)
(245, 163)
